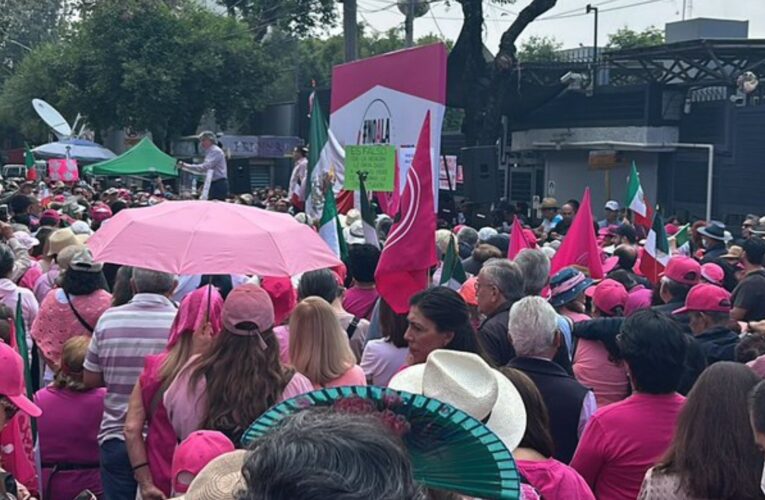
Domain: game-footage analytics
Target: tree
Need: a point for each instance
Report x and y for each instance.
(485, 89)
(146, 65)
(625, 38)
(300, 18)
(23, 26)
(540, 49)
(303, 62)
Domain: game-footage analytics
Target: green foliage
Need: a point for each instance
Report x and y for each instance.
(300, 18)
(24, 24)
(625, 38)
(147, 65)
(540, 49)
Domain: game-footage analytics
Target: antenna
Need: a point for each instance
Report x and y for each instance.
(52, 118)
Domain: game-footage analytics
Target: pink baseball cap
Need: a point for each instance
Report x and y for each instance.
(101, 212)
(684, 270)
(283, 296)
(51, 214)
(713, 273)
(637, 301)
(194, 453)
(706, 298)
(12, 381)
(608, 295)
(248, 304)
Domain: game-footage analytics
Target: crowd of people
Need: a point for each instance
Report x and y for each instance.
(149, 384)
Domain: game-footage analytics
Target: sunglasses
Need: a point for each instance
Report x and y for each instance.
(8, 408)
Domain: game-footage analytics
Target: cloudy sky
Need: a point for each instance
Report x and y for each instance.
(572, 27)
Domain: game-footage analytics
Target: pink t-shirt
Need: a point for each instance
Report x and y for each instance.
(67, 432)
(354, 376)
(623, 440)
(360, 301)
(593, 369)
(553, 479)
(186, 405)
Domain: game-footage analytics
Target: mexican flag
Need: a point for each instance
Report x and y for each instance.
(367, 215)
(636, 200)
(329, 227)
(29, 162)
(452, 273)
(683, 240)
(326, 160)
(656, 252)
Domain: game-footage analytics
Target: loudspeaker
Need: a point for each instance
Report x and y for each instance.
(479, 167)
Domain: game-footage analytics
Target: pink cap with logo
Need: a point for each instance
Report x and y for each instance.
(248, 304)
(706, 298)
(684, 270)
(12, 381)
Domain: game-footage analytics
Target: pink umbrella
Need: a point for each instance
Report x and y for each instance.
(210, 237)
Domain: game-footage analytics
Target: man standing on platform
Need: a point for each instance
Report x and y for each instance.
(215, 161)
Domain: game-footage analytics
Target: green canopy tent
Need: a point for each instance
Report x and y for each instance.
(143, 159)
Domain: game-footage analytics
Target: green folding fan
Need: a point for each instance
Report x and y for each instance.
(449, 449)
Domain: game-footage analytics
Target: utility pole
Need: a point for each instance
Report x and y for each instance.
(350, 30)
(409, 23)
(592, 9)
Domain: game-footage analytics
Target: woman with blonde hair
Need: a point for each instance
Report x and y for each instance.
(68, 428)
(319, 347)
(197, 321)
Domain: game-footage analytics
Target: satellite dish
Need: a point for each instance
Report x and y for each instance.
(52, 117)
(419, 7)
(747, 82)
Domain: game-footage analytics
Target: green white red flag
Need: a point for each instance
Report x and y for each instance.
(656, 253)
(636, 200)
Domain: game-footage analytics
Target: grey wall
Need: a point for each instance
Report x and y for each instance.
(570, 172)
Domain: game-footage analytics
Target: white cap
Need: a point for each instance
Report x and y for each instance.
(613, 205)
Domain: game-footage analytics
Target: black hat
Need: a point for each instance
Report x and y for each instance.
(715, 230)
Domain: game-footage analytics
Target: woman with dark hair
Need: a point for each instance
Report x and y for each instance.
(122, 291)
(239, 377)
(383, 357)
(38, 251)
(438, 319)
(597, 364)
(534, 456)
(712, 454)
(625, 439)
(73, 309)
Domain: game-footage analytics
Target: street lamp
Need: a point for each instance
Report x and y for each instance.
(592, 8)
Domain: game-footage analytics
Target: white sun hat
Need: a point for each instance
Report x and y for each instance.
(467, 382)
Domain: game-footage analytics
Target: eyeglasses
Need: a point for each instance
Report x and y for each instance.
(9, 408)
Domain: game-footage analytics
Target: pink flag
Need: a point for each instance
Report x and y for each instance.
(63, 170)
(518, 240)
(410, 249)
(580, 246)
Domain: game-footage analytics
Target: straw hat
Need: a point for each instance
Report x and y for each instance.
(468, 383)
(61, 239)
(221, 479)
